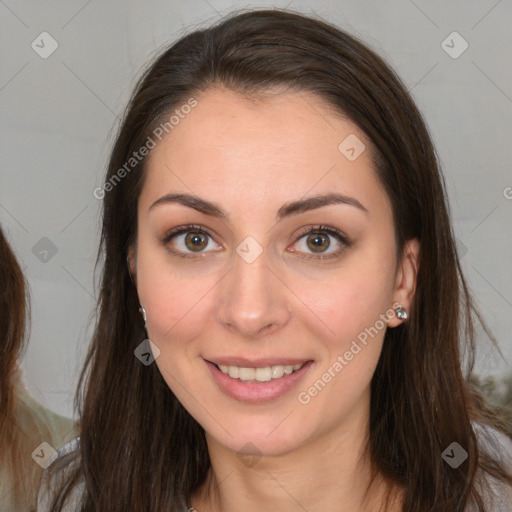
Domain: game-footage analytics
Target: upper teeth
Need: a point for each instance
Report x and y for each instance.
(261, 374)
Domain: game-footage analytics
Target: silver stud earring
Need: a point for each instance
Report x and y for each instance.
(143, 312)
(401, 313)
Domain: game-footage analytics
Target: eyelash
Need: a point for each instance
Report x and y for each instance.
(319, 229)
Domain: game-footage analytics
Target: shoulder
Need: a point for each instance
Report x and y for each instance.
(60, 467)
(499, 446)
(40, 422)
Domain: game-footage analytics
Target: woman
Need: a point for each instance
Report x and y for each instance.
(273, 207)
(24, 423)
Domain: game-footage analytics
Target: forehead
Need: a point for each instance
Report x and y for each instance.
(283, 145)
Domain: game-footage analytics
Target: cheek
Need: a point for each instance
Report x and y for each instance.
(351, 333)
(176, 311)
(176, 302)
(350, 300)
(173, 307)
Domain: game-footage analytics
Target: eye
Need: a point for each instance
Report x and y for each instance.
(191, 238)
(317, 239)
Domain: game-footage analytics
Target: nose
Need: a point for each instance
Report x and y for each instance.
(253, 300)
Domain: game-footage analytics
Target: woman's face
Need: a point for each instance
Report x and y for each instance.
(261, 285)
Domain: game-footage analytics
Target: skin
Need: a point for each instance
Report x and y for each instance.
(250, 158)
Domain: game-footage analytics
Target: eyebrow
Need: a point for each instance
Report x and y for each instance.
(287, 210)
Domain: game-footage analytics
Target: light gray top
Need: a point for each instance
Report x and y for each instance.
(500, 499)
(36, 423)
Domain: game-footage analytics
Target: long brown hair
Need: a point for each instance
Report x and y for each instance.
(139, 448)
(17, 439)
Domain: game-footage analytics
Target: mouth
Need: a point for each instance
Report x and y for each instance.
(259, 374)
(257, 381)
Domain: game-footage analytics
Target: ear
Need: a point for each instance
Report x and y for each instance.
(131, 261)
(405, 282)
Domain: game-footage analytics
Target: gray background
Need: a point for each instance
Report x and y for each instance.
(58, 119)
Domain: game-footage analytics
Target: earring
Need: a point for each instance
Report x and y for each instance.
(401, 313)
(143, 312)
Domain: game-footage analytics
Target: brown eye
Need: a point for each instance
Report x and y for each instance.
(184, 241)
(195, 240)
(318, 240)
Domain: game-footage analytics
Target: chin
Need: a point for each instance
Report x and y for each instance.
(266, 435)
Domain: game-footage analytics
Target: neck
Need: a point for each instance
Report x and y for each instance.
(331, 472)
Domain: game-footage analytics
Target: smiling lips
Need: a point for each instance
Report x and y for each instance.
(257, 380)
(261, 374)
